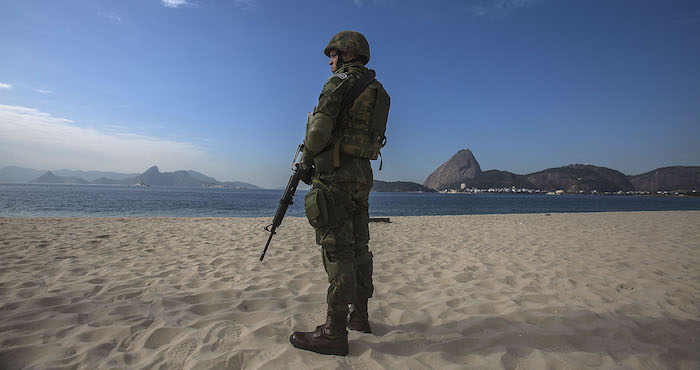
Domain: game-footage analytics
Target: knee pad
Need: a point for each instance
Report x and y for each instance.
(341, 278)
(336, 264)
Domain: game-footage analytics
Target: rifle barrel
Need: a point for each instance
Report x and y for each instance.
(272, 232)
(285, 202)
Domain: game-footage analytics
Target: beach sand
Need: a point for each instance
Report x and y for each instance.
(529, 291)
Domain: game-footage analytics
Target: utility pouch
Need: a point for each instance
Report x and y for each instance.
(315, 207)
(324, 161)
(322, 208)
(380, 116)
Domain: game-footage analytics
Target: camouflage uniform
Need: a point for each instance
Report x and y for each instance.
(341, 138)
(346, 256)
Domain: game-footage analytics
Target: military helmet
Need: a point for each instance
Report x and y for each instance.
(351, 42)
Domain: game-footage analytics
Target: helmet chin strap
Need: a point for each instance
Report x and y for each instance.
(339, 63)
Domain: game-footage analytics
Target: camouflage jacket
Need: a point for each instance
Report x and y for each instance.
(352, 169)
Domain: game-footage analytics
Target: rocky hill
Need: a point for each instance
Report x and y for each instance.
(575, 178)
(239, 184)
(153, 176)
(463, 168)
(15, 174)
(458, 169)
(202, 177)
(399, 186)
(50, 178)
(572, 179)
(496, 179)
(92, 176)
(668, 178)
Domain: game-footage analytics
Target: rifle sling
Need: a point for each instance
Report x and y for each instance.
(356, 90)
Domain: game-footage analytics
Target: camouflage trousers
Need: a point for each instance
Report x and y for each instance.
(344, 245)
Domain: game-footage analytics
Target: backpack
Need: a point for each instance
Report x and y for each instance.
(360, 140)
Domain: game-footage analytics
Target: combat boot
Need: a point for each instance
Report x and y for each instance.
(326, 339)
(358, 317)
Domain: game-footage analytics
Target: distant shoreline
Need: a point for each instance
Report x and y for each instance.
(265, 219)
(678, 195)
(41, 200)
(481, 191)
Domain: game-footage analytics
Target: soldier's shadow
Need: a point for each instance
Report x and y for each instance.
(580, 332)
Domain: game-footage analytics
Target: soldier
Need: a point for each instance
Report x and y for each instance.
(344, 132)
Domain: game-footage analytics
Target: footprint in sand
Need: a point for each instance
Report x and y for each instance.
(228, 337)
(176, 356)
(626, 286)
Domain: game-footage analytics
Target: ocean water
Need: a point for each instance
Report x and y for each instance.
(41, 200)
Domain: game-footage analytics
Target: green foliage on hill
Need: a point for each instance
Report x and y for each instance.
(399, 186)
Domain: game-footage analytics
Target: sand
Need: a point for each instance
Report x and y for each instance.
(607, 290)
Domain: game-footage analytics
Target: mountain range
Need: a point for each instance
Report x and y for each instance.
(463, 168)
(152, 176)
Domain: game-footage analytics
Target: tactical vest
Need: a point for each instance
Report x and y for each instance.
(364, 136)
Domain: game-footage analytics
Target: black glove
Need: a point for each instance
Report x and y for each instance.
(305, 173)
(306, 167)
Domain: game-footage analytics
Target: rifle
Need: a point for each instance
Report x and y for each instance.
(285, 202)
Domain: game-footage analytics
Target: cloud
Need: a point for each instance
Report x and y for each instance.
(31, 138)
(246, 4)
(42, 91)
(174, 3)
(498, 8)
(111, 16)
(5, 86)
(243, 4)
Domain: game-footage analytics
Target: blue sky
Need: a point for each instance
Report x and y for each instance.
(223, 86)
